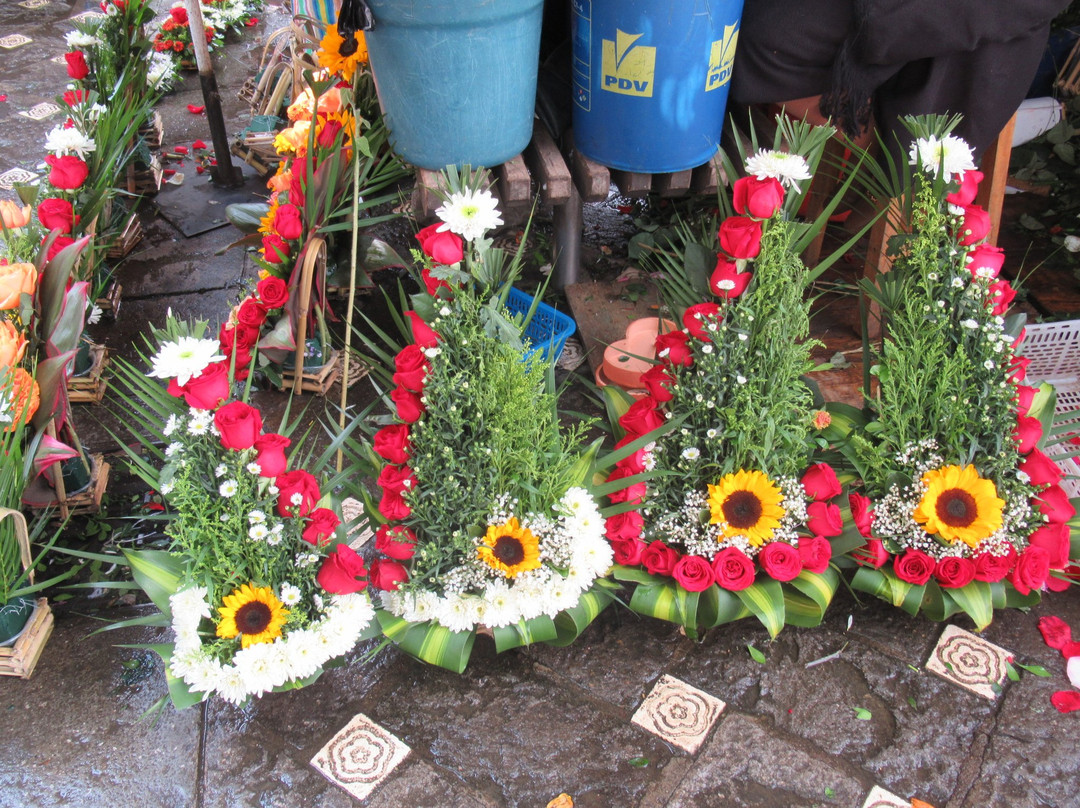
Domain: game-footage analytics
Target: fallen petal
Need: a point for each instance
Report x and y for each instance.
(1066, 701)
(1055, 631)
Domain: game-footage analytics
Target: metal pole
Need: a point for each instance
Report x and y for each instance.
(224, 173)
(569, 225)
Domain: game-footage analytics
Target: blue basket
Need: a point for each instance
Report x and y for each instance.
(548, 330)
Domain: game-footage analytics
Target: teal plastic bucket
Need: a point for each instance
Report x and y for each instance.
(456, 78)
(651, 79)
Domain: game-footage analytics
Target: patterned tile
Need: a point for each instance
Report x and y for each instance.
(880, 798)
(360, 756)
(969, 661)
(60, 60)
(34, 3)
(678, 713)
(14, 41)
(9, 179)
(86, 16)
(40, 112)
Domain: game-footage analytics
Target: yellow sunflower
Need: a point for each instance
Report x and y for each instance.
(335, 55)
(253, 613)
(748, 504)
(510, 548)
(959, 504)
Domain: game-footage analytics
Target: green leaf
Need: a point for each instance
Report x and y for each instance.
(755, 654)
(158, 573)
(766, 600)
(639, 762)
(911, 702)
(571, 622)
(667, 601)
(525, 632)
(1011, 672)
(1035, 670)
(429, 642)
(862, 714)
(976, 601)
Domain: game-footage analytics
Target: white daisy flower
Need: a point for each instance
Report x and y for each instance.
(290, 595)
(228, 488)
(220, 470)
(257, 532)
(691, 453)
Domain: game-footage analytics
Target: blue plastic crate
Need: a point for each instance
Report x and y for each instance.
(548, 330)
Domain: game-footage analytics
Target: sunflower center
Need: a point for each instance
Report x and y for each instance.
(253, 617)
(742, 509)
(956, 507)
(508, 550)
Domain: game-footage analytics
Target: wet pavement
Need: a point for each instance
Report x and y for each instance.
(633, 714)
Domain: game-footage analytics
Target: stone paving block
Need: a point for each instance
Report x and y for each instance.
(880, 798)
(12, 41)
(360, 756)
(40, 112)
(679, 713)
(418, 784)
(893, 631)
(967, 660)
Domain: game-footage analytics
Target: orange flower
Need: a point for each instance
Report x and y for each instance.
(14, 280)
(26, 397)
(280, 181)
(293, 140)
(12, 344)
(14, 217)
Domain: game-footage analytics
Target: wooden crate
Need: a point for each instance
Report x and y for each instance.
(146, 181)
(127, 238)
(316, 381)
(21, 658)
(153, 131)
(110, 302)
(257, 150)
(90, 389)
(89, 501)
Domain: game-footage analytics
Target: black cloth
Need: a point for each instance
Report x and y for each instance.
(904, 57)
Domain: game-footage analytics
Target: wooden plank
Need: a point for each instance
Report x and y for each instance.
(995, 169)
(706, 179)
(515, 185)
(21, 659)
(603, 310)
(673, 184)
(424, 200)
(593, 180)
(631, 183)
(549, 168)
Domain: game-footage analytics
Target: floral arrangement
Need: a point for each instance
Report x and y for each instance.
(175, 34)
(231, 15)
(485, 521)
(726, 515)
(960, 508)
(259, 587)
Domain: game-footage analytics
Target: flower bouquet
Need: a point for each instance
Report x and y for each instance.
(960, 508)
(485, 522)
(175, 35)
(726, 515)
(259, 587)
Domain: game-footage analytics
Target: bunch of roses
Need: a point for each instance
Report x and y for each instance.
(239, 334)
(175, 34)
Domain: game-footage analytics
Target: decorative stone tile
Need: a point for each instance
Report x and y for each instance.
(880, 798)
(679, 713)
(40, 112)
(360, 756)
(86, 16)
(9, 179)
(34, 3)
(59, 60)
(969, 661)
(14, 41)
(351, 509)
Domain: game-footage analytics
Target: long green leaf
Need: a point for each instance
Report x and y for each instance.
(158, 572)
(429, 642)
(571, 622)
(975, 599)
(526, 632)
(765, 599)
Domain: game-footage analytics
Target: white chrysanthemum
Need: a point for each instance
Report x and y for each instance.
(61, 141)
(469, 214)
(198, 427)
(789, 169)
(951, 155)
(174, 449)
(171, 425)
(77, 39)
(256, 517)
(228, 488)
(232, 685)
(304, 653)
(167, 488)
(419, 607)
(189, 604)
(262, 667)
(456, 613)
(184, 359)
(336, 636)
(161, 72)
(220, 470)
(258, 532)
(691, 453)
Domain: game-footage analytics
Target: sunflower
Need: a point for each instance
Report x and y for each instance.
(748, 504)
(253, 613)
(334, 53)
(959, 504)
(510, 548)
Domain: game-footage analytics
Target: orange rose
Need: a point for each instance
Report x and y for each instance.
(294, 139)
(280, 181)
(14, 280)
(26, 397)
(300, 109)
(12, 344)
(14, 217)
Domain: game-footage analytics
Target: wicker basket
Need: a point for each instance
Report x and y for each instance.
(21, 658)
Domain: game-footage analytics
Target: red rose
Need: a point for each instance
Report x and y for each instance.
(1024, 396)
(623, 526)
(1028, 432)
(992, 568)
(758, 198)
(975, 225)
(386, 574)
(56, 214)
(59, 243)
(693, 573)
(276, 250)
(1054, 503)
(697, 317)
(1001, 297)
(76, 65)
(1053, 538)
(287, 222)
(322, 522)
(412, 367)
(328, 133)
(815, 553)
(733, 569)
(656, 380)
(1056, 632)
(443, 248)
(780, 561)
(824, 519)
(628, 552)
(985, 261)
(341, 571)
(635, 492)
(240, 336)
(239, 424)
(298, 491)
(409, 406)
(954, 572)
(433, 284)
(392, 443)
(969, 188)
(671, 347)
(1040, 468)
(395, 481)
(179, 14)
(74, 97)
(67, 172)
(740, 237)
(1066, 701)
(1031, 570)
(209, 388)
(634, 462)
(820, 482)
(273, 292)
(861, 513)
(397, 542)
(422, 334)
(1018, 368)
(871, 554)
(659, 559)
(726, 281)
(271, 454)
(251, 312)
(642, 417)
(914, 567)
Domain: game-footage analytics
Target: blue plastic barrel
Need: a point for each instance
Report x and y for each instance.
(456, 78)
(651, 79)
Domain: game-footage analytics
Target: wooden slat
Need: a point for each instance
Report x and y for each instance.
(674, 184)
(705, 179)
(424, 200)
(631, 183)
(549, 168)
(593, 180)
(995, 169)
(20, 659)
(515, 186)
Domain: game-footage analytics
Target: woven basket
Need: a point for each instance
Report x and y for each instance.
(21, 658)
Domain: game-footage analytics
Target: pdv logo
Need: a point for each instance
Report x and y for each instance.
(721, 57)
(627, 67)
